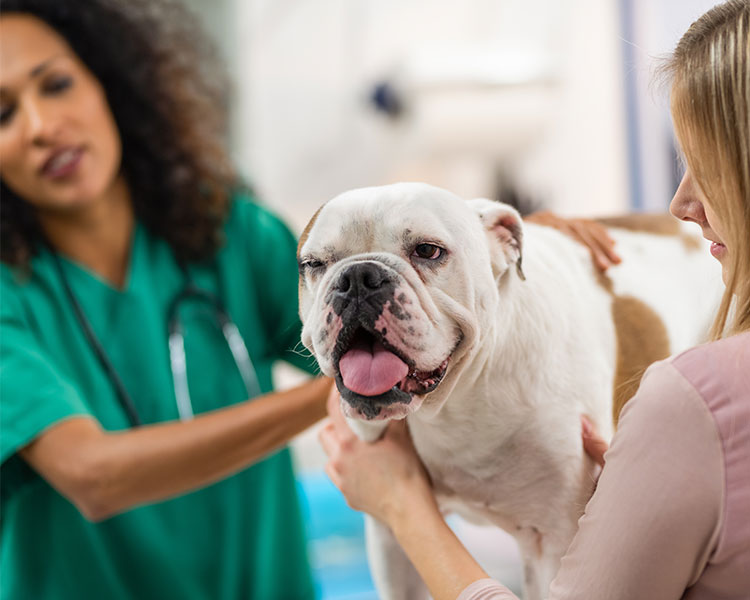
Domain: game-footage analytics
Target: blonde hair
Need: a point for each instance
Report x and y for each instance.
(710, 72)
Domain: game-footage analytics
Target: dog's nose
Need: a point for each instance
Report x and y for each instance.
(362, 279)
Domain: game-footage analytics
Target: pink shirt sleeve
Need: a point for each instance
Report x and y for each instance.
(487, 589)
(655, 517)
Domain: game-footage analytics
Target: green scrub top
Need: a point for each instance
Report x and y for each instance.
(241, 538)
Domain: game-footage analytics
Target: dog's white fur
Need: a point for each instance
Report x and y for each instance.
(500, 435)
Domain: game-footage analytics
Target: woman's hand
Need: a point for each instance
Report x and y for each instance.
(594, 444)
(385, 478)
(589, 233)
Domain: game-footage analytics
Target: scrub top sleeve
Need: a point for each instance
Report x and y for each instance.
(33, 394)
(280, 297)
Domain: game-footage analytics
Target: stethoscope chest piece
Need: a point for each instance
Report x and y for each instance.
(177, 358)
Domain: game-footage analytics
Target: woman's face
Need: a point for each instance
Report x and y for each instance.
(60, 149)
(689, 204)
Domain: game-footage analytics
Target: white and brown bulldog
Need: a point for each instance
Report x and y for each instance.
(492, 337)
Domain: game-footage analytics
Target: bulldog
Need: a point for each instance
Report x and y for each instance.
(492, 337)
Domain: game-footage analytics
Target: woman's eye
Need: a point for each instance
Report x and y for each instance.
(6, 113)
(428, 251)
(55, 85)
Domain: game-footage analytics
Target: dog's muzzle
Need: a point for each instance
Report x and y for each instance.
(370, 372)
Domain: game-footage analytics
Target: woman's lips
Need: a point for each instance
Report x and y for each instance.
(62, 163)
(718, 250)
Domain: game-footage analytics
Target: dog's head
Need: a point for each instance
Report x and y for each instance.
(396, 285)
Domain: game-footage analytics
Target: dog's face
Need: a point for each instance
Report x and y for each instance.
(395, 284)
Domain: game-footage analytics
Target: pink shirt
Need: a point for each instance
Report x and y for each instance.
(670, 518)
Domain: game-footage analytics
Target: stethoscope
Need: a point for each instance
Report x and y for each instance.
(177, 359)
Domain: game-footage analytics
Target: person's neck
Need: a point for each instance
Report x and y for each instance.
(97, 236)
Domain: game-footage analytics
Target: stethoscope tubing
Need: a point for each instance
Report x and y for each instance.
(176, 343)
(177, 357)
(109, 370)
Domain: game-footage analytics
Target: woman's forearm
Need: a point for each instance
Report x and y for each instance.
(105, 473)
(387, 479)
(442, 561)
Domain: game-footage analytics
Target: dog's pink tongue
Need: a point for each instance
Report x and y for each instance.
(371, 372)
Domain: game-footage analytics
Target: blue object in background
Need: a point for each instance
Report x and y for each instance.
(336, 541)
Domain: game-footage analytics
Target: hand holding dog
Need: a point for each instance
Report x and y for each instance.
(591, 234)
(593, 443)
(385, 478)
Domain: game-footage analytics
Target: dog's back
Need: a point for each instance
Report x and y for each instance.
(663, 294)
(661, 297)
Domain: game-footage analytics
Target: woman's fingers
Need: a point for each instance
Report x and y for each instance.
(333, 475)
(328, 440)
(594, 445)
(333, 404)
(591, 234)
(605, 245)
(337, 417)
(595, 237)
(586, 237)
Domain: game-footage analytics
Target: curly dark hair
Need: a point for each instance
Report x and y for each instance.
(169, 99)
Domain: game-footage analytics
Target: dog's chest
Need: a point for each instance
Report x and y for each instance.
(499, 484)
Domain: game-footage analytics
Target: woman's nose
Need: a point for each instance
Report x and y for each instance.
(40, 123)
(686, 204)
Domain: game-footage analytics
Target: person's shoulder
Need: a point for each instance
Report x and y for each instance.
(666, 405)
(15, 281)
(249, 217)
(661, 381)
(738, 343)
(252, 232)
(719, 365)
(9, 276)
(28, 279)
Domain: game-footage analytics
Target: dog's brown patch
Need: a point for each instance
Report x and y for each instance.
(301, 242)
(641, 340)
(641, 335)
(657, 224)
(306, 231)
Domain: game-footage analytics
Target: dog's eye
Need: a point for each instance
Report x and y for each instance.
(428, 251)
(311, 264)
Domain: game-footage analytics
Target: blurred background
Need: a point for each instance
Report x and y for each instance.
(552, 103)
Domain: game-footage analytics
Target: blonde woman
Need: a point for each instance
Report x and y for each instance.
(671, 515)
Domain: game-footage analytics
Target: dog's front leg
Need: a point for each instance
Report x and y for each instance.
(394, 576)
(541, 559)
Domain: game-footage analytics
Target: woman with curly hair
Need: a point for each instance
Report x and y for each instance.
(128, 246)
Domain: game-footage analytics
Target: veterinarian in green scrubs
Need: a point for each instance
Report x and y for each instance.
(242, 533)
(121, 477)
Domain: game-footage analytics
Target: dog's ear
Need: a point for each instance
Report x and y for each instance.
(504, 228)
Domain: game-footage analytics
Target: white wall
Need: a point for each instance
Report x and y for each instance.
(654, 31)
(530, 88)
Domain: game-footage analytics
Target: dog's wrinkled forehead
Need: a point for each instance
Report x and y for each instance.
(387, 218)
